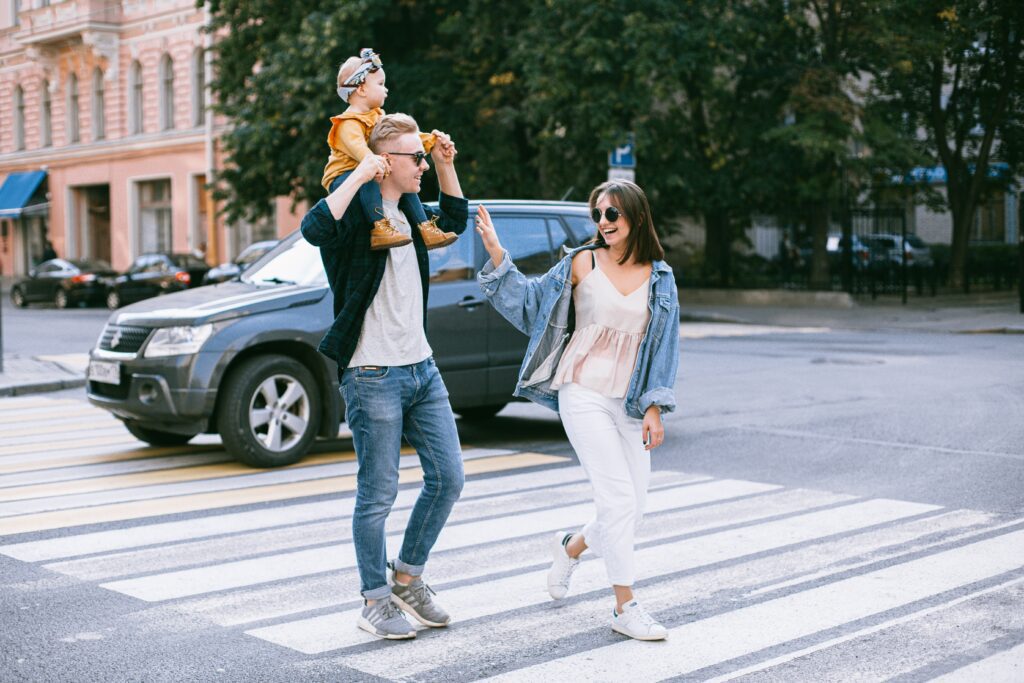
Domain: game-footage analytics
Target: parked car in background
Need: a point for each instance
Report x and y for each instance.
(64, 283)
(836, 245)
(886, 255)
(234, 268)
(154, 274)
(240, 358)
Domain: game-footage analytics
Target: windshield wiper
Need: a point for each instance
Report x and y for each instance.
(278, 281)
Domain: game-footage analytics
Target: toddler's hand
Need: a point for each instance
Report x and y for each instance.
(372, 167)
(444, 149)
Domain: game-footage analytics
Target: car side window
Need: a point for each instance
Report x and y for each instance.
(526, 240)
(138, 265)
(454, 262)
(559, 238)
(49, 267)
(581, 227)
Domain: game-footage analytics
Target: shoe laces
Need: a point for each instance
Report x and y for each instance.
(567, 569)
(422, 591)
(388, 609)
(642, 615)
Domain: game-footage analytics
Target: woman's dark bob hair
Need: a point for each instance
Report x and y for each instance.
(628, 198)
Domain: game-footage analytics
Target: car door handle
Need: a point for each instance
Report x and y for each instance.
(470, 302)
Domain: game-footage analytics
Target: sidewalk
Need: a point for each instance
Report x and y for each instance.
(28, 375)
(992, 313)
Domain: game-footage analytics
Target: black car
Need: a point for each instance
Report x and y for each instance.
(64, 283)
(154, 274)
(232, 269)
(230, 357)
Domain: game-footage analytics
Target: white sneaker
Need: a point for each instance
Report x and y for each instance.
(635, 622)
(562, 567)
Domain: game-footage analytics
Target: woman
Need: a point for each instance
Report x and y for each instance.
(603, 352)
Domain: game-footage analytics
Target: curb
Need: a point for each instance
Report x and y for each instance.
(42, 387)
(767, 297)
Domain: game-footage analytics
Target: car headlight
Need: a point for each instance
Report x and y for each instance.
(177, 341)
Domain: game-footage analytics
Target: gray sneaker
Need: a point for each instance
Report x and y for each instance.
(384, 620)
(415, 598)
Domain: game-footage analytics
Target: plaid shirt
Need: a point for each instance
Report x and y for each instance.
(355, 272)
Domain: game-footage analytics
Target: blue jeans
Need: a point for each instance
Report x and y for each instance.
(383, 404)
(373, 206)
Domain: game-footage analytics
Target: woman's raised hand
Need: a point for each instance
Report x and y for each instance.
(485, 227)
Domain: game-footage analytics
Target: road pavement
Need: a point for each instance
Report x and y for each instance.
(829, 505)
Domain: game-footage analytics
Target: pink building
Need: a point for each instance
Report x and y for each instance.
(109, 99)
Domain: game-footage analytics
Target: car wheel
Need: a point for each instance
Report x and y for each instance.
(156, 437)
(113, 300)
(18, 298)
(480, 412)
(269, 411)
(60, 298)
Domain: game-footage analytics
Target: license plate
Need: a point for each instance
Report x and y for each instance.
(104, 371)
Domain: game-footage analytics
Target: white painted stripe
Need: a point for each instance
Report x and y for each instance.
(860, 633)
(723, 637)
(180, 584)
(546, 623)
(242, 481)
(333, 631)
(704, 330)
(331, 590)
(78, 472)
(1005, 667)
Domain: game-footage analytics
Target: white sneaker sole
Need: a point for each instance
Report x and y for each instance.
(364, 624)
(619, 629)
(412, 613)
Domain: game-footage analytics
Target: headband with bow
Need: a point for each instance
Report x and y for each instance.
(371, 62)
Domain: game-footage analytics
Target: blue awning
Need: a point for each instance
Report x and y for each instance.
(17, 191)
(936, 175)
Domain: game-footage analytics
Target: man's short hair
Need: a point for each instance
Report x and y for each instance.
(347, 68)
(389, 127)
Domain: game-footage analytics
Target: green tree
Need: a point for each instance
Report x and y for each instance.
(959, 78)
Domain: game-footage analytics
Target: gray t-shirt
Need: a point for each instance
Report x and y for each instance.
(392, 331)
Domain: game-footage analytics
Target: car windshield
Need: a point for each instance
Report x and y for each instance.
(187, 261)
(297, 263)
(916, 242)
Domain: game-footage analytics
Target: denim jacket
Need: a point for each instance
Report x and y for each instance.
(542, 308)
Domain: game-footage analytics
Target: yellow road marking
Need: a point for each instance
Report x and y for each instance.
(54, 445)
(45, 415)
(132, 454)
(257, 494)
(79, 427)
(18, 403)
(174, 475)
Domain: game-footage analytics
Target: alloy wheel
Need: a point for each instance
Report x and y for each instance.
(279, 412)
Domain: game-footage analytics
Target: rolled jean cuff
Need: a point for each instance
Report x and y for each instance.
(378, 593)
(410, 569)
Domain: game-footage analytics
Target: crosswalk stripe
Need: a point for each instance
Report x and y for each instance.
(35, 462)
(70, 443)
(95, 471)
(222, 499)
(329, 632)
(736, 633)
(48, 428)
(166, 533)
(47, 415)
(161, 476)
(860, 633)
(23, 402)
(1004, 667)
(184, 583)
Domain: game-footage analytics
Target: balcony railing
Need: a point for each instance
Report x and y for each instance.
(64, 20)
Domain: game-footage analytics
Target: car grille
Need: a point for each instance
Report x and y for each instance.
(118, 391)
(123, 338)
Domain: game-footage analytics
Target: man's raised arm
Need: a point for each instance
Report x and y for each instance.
(321, 229)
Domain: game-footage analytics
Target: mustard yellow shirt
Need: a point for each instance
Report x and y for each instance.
(350, 131)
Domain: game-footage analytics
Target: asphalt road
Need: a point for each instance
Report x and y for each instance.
(832, 506)
(42, 329)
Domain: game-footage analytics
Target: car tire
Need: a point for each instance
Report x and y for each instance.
(60, 298)
(156, 437)
(477, 413)
(113, 300)
(255, 423)
(18, 298)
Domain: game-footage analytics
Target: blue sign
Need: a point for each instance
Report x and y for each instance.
(623, 155)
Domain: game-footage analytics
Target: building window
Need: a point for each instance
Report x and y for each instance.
(198, 87)
(155, 216)
(99, 106)
(990, 219)
(45, 120)
(166, 93)
(15, 11)
(135, 98)
(19, 118)
(73, 132)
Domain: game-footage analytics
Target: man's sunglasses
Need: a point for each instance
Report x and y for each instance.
(417, 157)
(611, 214)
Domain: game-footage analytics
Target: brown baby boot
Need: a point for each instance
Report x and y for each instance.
(433, 236)
(385, 236)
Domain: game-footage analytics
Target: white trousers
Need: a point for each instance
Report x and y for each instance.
(609, 445)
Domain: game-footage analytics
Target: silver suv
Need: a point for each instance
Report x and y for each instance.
(216, 359)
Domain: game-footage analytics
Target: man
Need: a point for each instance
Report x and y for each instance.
(388, 378)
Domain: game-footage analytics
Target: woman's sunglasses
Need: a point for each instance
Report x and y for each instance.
(611, 214)
(417, 157)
